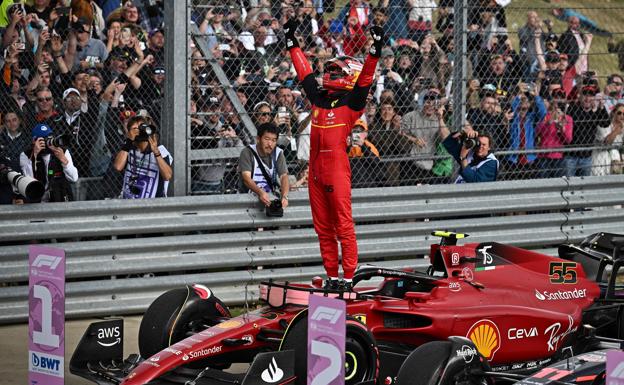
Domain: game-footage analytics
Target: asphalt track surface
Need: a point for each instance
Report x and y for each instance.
(14, 350)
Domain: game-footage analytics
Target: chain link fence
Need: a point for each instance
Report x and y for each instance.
(542, 79)
(81, 71)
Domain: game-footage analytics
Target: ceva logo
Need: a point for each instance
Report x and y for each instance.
(273, 373)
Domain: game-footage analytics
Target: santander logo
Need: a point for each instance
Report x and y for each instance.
(273, 373)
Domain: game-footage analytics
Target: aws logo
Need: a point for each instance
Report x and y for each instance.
(486, 337)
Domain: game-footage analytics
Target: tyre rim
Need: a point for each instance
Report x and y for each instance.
(351, 365)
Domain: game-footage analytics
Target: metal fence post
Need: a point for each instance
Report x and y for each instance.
(175, 105)
(460, 16)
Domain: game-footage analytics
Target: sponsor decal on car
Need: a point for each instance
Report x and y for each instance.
(230, 324)
(467, 353)
(108, 337)
(555, 335)
(46, 364)
(273, 373)
(360, 317)
(454, 286)
(592, 357)
(202, 353)
(202, 291)
(249, 338)
(486, 337)
(560, 294)
(455, 259)
(467, 273)
(520, 333)
(171, 350)
(155, 359)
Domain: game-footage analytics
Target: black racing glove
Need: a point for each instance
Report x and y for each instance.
(377, 33)
(289, 33)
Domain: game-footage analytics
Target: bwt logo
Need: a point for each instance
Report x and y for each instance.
(326, 313)
(45, 362)
(47, 260)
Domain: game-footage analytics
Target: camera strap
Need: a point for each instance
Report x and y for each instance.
(271, 181)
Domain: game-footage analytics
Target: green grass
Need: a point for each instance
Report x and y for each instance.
(608, 14)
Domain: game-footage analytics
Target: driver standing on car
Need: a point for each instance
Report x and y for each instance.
(335, 108)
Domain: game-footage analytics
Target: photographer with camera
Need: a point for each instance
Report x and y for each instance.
(471, 150)
(49, 161)
(146, 164)
(263, 170)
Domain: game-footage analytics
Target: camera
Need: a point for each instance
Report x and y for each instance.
(26, 186)
(469, 143)
(275, 209)
(145, 131)
(62, 140)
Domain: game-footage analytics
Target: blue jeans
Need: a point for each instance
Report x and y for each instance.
(550, 168)
(575, 166)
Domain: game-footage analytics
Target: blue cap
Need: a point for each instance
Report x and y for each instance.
(41, 131)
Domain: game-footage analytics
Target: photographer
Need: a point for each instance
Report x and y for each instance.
(55, 172)
(472, 151)
(273, 162)
(146, 164)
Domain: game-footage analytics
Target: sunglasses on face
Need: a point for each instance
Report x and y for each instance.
(619, 113)
(264, 113)
(44, 99)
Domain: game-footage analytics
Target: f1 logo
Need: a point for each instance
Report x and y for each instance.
(47, 260)
(326, 313)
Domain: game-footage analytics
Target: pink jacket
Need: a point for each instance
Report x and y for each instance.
(550, 137)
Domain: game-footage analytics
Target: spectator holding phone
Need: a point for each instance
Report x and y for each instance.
(555, 131)
(528, 110)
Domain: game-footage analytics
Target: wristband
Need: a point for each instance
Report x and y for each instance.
(157, 155)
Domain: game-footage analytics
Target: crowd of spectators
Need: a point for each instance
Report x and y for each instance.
(86, 67)
(538, 101)
(80, 69)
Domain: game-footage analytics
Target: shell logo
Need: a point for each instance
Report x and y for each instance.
(229, 324)
(486, 337)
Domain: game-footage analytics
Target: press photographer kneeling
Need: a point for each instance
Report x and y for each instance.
(48, 161)
(260, 165)
(146, 164)
(472, 151)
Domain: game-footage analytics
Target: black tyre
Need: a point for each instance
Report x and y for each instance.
(427, 363)
(361, 354)
(175, 315)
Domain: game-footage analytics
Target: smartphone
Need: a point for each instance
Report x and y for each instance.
(224, 47)
(21, 46)
(62, 11)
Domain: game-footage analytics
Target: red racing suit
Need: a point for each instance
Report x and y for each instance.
(333, 116)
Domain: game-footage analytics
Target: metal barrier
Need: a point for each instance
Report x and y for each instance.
(121, 254)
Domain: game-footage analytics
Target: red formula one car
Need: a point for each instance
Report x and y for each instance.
(517, 310)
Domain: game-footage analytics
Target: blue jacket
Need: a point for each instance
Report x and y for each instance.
(483, 170)
(533, 117)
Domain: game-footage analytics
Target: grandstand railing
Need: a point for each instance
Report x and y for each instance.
(121, 254)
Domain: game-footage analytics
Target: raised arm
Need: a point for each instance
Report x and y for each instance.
(302, 65)
(357, 98)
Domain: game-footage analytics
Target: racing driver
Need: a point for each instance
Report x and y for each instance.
(335, 108)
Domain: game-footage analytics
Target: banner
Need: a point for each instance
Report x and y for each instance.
(326, 341)
(615, 367)
(46, 316)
